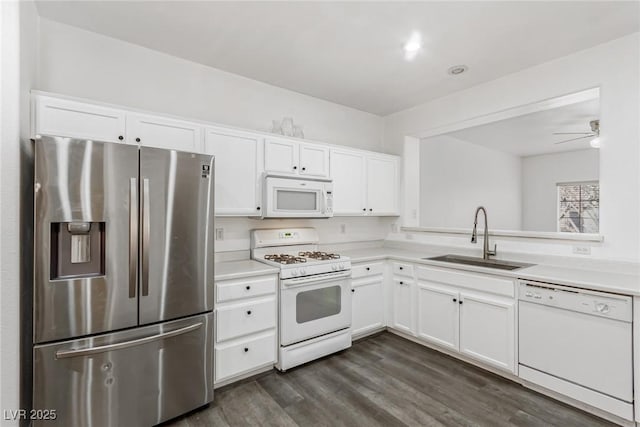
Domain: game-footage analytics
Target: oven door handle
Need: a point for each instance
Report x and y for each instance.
(320, 278)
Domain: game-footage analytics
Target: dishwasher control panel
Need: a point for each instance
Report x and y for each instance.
(618, 307)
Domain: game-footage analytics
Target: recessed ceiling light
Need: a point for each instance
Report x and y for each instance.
(457, 69)
(412, 46)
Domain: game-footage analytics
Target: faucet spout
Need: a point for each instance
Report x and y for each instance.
(486, 252)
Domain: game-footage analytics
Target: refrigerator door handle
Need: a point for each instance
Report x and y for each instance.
(63, 354)
(145, 236)
(133, 236)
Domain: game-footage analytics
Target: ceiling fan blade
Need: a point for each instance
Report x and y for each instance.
(572, 139)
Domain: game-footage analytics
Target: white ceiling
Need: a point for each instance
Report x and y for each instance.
(351, 52)
(532, 134)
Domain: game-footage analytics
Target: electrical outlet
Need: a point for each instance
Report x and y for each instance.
(343, 228)
(219, 233)
(408, 236)
(394, 227)
(582, 250)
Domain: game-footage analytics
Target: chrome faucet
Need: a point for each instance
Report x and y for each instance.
(486, 253)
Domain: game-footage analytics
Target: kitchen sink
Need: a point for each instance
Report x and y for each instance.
(480, 262)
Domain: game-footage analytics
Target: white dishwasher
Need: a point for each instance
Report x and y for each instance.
(578, 343)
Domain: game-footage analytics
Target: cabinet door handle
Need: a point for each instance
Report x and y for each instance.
(401, 268)
(120, 137)
(258, 208)
(137, 139)
(249, 313)
(460, 301)
(402, 283)
(248, 287)
(370, 210)
(246, 349)
(353, 290)
(364, 209)
(295, 167)
(368, 268)
(455, 300)
(304, 169)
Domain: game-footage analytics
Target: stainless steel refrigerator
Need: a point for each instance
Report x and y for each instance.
(123, 283)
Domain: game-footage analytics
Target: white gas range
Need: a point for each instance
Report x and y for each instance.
(314, 297)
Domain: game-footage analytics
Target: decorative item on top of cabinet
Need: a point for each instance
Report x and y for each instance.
(287, 128)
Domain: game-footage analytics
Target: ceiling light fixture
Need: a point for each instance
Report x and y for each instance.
(412, 46)
(457, 69)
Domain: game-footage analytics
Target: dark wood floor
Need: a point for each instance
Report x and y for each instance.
(384, 380)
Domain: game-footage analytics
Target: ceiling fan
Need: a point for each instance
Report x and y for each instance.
(595, 133)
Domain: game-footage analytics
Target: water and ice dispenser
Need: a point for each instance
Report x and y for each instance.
(77, 249)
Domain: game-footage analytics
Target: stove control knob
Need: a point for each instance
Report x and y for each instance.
(303, 271)
(341, 266)
(334, 267)
(294, 272)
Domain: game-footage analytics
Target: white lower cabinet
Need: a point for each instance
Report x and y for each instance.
(403, 307)
(468, 313)
(246, 326)
(438, 315)
(487, 329)
(368, 306)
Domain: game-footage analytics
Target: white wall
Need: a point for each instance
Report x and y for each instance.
(540, 176)
(614, 67)
(457, 176)
(80, 63)
(18, 39)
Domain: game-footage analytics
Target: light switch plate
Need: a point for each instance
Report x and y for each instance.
(219, 233)
(343, 228)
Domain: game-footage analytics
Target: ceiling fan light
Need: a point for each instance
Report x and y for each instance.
(595, 142)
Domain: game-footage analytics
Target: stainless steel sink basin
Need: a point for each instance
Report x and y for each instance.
(480, 262)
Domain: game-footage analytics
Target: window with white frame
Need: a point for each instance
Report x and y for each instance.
(579, 207)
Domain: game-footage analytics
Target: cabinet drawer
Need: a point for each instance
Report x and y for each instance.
(364, 270)
(245, 288)
(402, 269)
(246, 318)
(245, 355)
(475, 281)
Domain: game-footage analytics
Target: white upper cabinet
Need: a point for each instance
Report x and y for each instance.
(287, 157)
(159, 132)
(281, 156)
(314, 160)
(365, 183)
(238, 170)
(348, 171)
(382, 185)
(62, 117)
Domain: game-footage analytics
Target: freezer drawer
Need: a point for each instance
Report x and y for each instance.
(139, 377)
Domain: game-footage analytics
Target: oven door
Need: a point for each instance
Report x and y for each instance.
(296, 198)
(314, 306)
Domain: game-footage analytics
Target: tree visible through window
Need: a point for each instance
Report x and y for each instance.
(579, 207)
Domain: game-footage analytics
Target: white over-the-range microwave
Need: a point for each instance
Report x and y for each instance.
(292, 197)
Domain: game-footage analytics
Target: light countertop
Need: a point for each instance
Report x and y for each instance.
(240, 269)
(600, 279)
